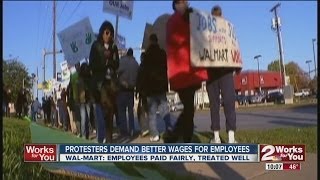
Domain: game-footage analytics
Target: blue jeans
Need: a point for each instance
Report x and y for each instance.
(84, 113)
(125, 100)
(34, 116)
(155, 102)
(100, 123)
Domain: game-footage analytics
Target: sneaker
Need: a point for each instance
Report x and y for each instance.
(104, 140)
(234, 142)
(144, 133)
(79, 135)
(155, 138)
(115, 135)
(215, 141)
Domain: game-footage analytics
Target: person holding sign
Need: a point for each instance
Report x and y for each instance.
(183, 78)
(104, 62)
(221, 79)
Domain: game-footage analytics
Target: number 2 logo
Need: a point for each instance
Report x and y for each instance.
(266, 156)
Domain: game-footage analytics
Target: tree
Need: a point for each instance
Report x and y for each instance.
(14, 72)
(274, 66)
(298, 78)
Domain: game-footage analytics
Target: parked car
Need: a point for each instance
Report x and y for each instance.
(275, 97)
(242, 99)
(302, 93)
(176, 107)
(256, 99)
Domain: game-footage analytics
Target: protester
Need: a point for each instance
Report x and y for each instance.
(5, 101)
(104, 62)
(70, 108)
(9, 96)
(156, 86)
(142, 104)
(57, 106)
(83, 88)
(74, 79)
(19, 104)
(127, 72)
(183, 78)
(54, 116)
(221, 79)
(63, 110)
(48, 110)
(26, 103)
(35, 107)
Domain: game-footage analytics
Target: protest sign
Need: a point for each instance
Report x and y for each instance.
(76, 41)
(65, 70)
(213, 42)
(119, 8)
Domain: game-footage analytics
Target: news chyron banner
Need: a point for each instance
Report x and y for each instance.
(140, 153)
(270, 154)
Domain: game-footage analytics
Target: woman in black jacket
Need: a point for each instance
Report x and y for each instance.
(103, 63)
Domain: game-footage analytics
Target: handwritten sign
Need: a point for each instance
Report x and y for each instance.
(76, 41)
(119, 8)
(65, 70)
(213, 42)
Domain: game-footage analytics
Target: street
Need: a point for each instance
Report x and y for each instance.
(262, 118)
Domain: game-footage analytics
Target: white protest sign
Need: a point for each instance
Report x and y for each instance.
(119, 8)
(121, 42)
(213, 42)
(76, 41)
(65, 73)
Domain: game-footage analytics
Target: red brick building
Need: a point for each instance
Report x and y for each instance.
(247, 82)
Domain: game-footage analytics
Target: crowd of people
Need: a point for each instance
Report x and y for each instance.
(105, 87)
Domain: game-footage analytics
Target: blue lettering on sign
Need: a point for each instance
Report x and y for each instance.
(114, 3)
(206, 23)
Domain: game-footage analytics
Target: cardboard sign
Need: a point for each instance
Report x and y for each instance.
(213, 42)
(76, 41)
(65, 73)
(119, 8)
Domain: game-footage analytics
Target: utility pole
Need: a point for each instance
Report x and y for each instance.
(276, 26)
(314, 58)
(37, 83)
(54, 40)
(308, 62)
(116, 30)
(44, 61)
(257, 58)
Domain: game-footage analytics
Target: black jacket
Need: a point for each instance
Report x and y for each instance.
(155, 78)
(98, 58)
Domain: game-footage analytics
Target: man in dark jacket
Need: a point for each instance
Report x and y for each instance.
(128, 71)
(156, 86)
(142, 104)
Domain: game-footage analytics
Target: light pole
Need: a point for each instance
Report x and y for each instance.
(308, 62)
(314, 58)
(257, 58)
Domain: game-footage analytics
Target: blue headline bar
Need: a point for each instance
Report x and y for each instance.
(158, 149)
